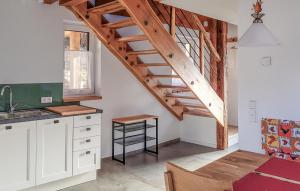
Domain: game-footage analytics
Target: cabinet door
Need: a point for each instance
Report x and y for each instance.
(18, 156)
(54, 149)
(86, 161)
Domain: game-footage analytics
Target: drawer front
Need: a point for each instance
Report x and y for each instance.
(86, 161)
(54, 122)
(86, 143)
(87, 131)
(85, 120)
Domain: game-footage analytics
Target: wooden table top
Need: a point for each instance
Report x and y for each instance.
(71, 110)
(232, 167)
(134, 119)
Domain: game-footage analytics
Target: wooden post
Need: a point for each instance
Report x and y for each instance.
(173, 22)
(202, 52)
(222, 131)
(213, 60)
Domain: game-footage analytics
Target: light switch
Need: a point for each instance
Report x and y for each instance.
(252, 111)
(266, 61)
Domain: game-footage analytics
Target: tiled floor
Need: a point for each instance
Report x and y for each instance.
(144, 172)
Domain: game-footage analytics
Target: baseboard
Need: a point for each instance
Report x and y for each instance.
(163, 144)
(233, 139)
(212, 145)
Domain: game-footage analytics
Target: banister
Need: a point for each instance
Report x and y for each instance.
(206, 37)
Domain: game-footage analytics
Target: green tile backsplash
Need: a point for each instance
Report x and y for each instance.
(28, 96)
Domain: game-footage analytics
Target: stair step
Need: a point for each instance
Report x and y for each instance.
(198, 113)
(69, 3)
(120, 24)
(143, 52)
(171, 86)
(181, 97)
(152, 65)
(107, 8)
(133, 38)
(190, 105)
(163, 76)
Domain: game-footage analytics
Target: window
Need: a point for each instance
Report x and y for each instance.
(78, 58)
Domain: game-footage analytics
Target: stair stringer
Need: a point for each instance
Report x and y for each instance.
(119, 49)
(150, 24)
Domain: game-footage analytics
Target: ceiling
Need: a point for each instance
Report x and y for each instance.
(226, 10)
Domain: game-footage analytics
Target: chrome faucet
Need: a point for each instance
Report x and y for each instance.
(12, 106)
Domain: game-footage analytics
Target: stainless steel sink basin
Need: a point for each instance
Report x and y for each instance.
(24, 114)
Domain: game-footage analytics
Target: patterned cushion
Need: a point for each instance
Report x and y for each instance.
(281, 138)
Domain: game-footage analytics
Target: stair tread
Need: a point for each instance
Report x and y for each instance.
(172, 86)
(181, 97)
(133, 38)
(72, 2)
(141, 52)
(198, 113)
(153, 64)
(191, 105)
(120, 24)
(163, 76)
(110, 7)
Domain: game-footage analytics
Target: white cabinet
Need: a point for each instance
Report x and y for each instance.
(87, 141)
(18, 156)
(86, 161)
(54, 149)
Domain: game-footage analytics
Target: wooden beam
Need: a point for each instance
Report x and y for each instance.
(198, 113)
(173, 22)
(191, 105)
(222, 129)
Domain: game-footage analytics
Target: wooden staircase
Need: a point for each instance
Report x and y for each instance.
(175, 98)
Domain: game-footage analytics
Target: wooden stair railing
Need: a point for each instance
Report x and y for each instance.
(142, 16)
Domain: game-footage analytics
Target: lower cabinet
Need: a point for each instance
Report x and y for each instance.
(86, 161)
(54, 149)
(18, 156)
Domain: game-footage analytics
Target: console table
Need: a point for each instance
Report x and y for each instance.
(130, 125)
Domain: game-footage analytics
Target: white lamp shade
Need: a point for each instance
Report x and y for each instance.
(258, 35)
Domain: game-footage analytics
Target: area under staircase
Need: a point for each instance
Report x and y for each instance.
(178, 80)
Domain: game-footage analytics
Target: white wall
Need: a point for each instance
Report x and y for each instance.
(31, 39)
(275, 88)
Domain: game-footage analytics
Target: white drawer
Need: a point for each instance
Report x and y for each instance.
(86, 143)
(84, 120)
(87, 131)
(86, 161)
(54, 122)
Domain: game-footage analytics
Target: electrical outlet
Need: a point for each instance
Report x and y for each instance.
(46, 100)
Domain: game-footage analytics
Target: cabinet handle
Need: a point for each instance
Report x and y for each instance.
(8, 127)
(88, 152)
(88, 129)
(88, 117)
(56, 121)
(88, 140)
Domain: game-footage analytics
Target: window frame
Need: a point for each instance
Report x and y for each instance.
(79, 27)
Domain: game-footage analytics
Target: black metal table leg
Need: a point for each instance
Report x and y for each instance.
(124, 126)
(145, 135)
(156, 126)
(113, 140)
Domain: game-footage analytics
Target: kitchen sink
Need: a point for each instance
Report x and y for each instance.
(24, 114)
